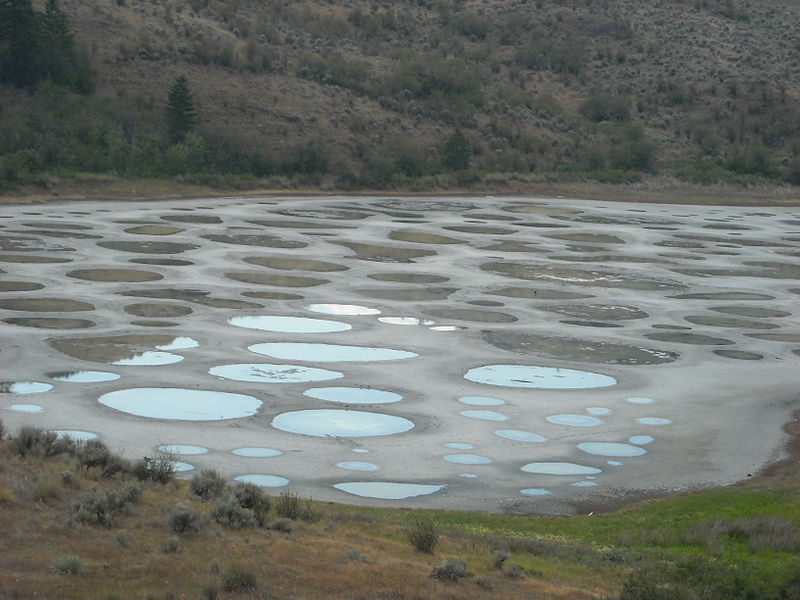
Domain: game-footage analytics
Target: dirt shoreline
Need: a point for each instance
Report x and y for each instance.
(654, 190)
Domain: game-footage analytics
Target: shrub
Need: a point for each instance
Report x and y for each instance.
(38, 442)
(422, 535)
(499, 557)
(211, 592)
(44, 490)
(450, 570)
(123, 538)
(354, 554)
(99, 508)
(92, 453)
(183, 518)
(228, 512)
(207, 484)
(160, 469)
(252, 497)
(67, 478)
(288, 505)
(514, 570)
(215, 567)
(236, 578)
(2, 430)
(69, 564)
(172, 545)
(282, 525)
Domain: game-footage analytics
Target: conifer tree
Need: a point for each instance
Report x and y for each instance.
(56, 43)
(19, 44)
(181, 116)
(456, 152)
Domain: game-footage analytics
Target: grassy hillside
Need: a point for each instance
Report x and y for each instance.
(79, 522)
(421, 94)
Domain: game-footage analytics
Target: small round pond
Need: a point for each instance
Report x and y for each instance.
(288, 324)
(181, 404)
(353, 395)
(328, 352)
(386, 490)
(340, 423)
(270, 373)
(529, 376)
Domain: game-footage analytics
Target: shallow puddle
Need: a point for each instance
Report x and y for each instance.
(589, 238)
(512, 246)
(640, 400)
(357, 466)
(45, 305)
(288, 324)
(83, 376)
(149, 247)
(534, 492)
(204, 219)
(340, 423)
(121, 349)
(459, 446)
(481, 401)
(611, 449)
(402, 321)
(183, 449)
(750, 311)
(603, 312)
(325, 214)
(276, 280)
(386, 490)
(654, 421)
(580, 350)
(164, 262)
(254, 239)
(557, 273)
(29, 258)
(114, 275)
(269, 373)
(776, 337)
(715, 321)
(738, 354)
(539, 209)
(520, 436)
(344, 310)
(51, 225)
(598, 410)
(157, 311)
(481, 229)
(76, 434)
(374, 252)
(154, 230)
(689, 338)
(273, 295)
(724, 296)
(473, 315)
(24, 387)
(528, 376)
(353, 395)
(262, 480)
(257, 452)
(19, 286)
(421, 237)
(418, 294)
(298, 224)
(467, 459)
(575, 420)
(50, 323)
(30, 409)
(292, 264)
(409, 277)
(559, 468)
(640, 440)
(484, 415)
(537, 293)
(181, 404)
(310, 352)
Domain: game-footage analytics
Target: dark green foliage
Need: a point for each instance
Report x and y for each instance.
(236, 578)
(250, 496)
(37, 46)
(38, 442)
(160, 469)
(93, 453)
(450, 570)
(288, 505)
(180, 111)
(499, 558)
(183, 518)
(456, 152)
(172, 545)
(207, 484)
(699, 579)
(99, 508)
(228, 512)
(282, 525)
(605, 106)
(422, 535)
(69, 564)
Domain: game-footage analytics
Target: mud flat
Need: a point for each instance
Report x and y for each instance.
(540, 355)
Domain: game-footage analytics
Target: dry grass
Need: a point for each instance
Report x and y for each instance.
(311, 562)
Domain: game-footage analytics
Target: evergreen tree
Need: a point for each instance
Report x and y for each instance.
(19, 44)
(181, 116)
(456, 152)
(56, 40)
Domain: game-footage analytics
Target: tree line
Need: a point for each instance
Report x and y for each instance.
(39, 46)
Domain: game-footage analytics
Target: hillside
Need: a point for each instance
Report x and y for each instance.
(418, 94)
